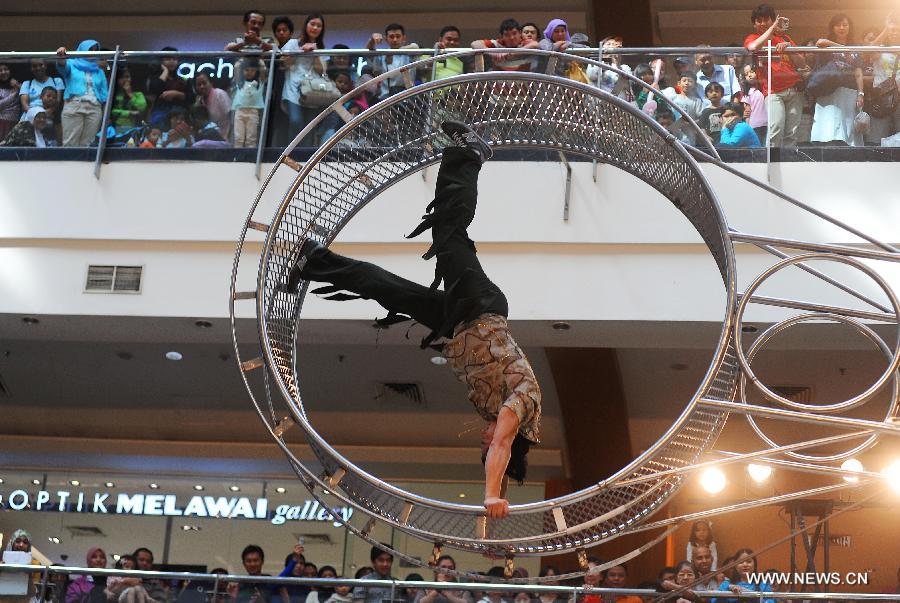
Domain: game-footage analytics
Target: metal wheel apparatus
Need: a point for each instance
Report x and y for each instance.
(540, 110)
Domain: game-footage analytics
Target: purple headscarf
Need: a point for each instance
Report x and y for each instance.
(548, 32)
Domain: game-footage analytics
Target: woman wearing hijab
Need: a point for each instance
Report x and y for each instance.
(557, 37)
(29, 133)
(80, 588)
(86, 91)
(20, 541)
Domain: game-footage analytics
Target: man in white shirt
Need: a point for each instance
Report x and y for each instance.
(708, 72)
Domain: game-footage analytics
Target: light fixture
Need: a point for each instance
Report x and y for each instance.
(759, 473)
(188, 528)
(1, 480)
(116, 556)
(54, 539)
(198, 487)
(851, 465)
(462, 494)
(892, 473)
(203, 324)
(561, 326)
(110, 484)
(153, 486)
(36, 482)
(749, 329)
(281, 489)
(173, 355)
(234, 488)
(678, 366)
(438, 360)
(713, 480)
(30, 320)
(123, 355)
(75, 482)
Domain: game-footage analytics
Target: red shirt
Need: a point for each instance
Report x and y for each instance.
(784, 75)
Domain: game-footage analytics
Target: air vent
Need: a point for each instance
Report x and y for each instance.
(86, 531)
(113, 279)
(400, 394)
(794, 393)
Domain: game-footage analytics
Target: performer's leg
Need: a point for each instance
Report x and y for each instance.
(395, 294)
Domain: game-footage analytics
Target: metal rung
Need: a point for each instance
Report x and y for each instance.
(249, 365)
(407, 511)
(292, 163)
(244, 295)
(370, 525)
(337, 477)
(560, 519)
(258, 226)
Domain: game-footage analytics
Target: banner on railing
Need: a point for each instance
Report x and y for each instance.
(171, 505)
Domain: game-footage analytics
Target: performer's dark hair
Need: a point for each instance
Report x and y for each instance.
(518, 459)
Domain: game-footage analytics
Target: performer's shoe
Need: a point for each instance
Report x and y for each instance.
(465, 136)
(307, 248)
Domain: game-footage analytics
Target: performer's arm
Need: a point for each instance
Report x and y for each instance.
(496, 461)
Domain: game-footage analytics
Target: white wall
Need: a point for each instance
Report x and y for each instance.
(624, 254)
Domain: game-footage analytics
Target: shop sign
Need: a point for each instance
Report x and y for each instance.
(169, 505)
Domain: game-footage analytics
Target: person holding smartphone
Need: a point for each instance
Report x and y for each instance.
(785, 102)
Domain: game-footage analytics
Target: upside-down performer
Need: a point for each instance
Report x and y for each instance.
(470, 312)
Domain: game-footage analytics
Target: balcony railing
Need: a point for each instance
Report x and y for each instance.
(247, 107)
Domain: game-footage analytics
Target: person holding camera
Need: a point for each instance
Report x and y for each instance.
(784, 98)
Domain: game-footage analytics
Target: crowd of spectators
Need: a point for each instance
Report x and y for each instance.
(701, 570)
(837, 98)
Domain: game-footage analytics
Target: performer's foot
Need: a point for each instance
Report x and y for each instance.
(465, 136)
(307, 248)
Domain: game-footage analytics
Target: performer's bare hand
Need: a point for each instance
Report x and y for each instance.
(497, 508)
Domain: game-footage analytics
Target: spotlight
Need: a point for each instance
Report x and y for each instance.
(154, 486)
(892, 473)
(281, 489)
(713, 480)
(1, 480)
(110, 485)
(116, 556)
(234, 488)
(561, 326)
(851, 465)
(203, 324)
(759, 473)
(198, 487)
(174, 355)
(30, 320)
(438, 360)
(75, 482)
(54, 539)
(36, 482)
(462, 494)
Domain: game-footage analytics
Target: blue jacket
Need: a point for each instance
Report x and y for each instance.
(758, 588)
(75, 77)
(742, 135)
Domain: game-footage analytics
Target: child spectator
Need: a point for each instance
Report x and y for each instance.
(711, 117)
(178, 136)
(206, 132)
(395, 35)
(702, 534)
(666, 119)
(86, 91)
(129, 106)
(9, 101)
(152, 140)
(685, 98)
(216, 102)
(736, 133)
(785, 103)
(30, 93)
(247, 102)
(741, 580)
(608, 80)
(759, 119)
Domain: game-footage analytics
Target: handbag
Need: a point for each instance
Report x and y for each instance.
(829, 77)
(317, 90)
(882, 101)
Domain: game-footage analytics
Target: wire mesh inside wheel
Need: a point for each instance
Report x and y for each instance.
(402, 135)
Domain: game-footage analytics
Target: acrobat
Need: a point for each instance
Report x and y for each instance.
(470, 313)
